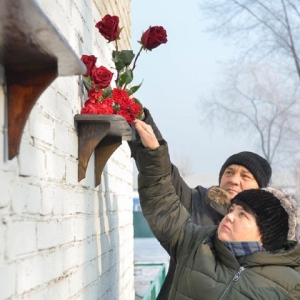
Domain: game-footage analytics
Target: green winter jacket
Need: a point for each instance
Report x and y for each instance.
(206, 269)
(205, 208)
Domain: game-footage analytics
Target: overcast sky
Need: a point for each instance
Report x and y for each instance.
(177, 75)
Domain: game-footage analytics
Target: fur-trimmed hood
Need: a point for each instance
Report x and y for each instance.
(291, 207)
(218, 199)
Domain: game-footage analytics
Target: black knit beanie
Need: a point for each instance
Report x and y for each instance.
(277, 215)
(257, 165)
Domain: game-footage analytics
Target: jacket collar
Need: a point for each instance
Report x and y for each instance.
(290, 256)
(218, 199)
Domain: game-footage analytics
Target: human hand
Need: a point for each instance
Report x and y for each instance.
(146, 133)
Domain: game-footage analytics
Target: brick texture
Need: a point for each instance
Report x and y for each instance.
(60, 238)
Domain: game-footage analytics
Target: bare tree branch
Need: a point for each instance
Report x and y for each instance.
(266, 103)
(261, 29)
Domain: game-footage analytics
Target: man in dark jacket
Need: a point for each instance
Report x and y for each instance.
(241, 171)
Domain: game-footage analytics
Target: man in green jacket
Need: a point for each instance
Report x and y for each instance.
(252, 254)
(241, 171)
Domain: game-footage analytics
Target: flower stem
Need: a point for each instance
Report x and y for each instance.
(136, 58)
(116, 57)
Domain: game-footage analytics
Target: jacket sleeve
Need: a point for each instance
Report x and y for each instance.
(294, 294)
(167, 218)
(181, 188)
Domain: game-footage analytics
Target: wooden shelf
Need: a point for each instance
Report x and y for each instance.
(33, 54)
(102, 134)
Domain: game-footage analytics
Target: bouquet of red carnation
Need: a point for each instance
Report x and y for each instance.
(102, 98)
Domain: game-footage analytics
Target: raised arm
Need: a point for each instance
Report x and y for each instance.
(180, 186)
(160, 204)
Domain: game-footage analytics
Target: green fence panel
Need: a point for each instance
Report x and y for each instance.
(155, 286)
(140, 226)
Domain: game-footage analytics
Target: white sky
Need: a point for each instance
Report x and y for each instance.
(176, 75)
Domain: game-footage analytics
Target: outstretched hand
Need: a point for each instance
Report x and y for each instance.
(146, 133)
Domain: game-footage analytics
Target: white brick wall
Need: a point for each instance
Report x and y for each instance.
(60, 239)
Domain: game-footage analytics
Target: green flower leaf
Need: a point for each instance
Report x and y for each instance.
(122, 59)
(87, 83)
(140, 115)
(136, 100)
(107, 92)
(126, 77)
(135, 88)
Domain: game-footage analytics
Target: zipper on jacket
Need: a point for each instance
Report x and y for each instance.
(235, 278)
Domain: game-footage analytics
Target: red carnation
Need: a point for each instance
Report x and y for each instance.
(103, 107)
(118, 95)
(125, 106)
(95, 95)
(89, 108)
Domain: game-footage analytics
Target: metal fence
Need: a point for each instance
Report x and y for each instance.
(156, 283)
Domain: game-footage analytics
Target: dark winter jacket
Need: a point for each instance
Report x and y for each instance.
(206, 269)
(202, 210)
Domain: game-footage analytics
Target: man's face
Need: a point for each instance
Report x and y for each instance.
(236, 179)
(238, 226)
